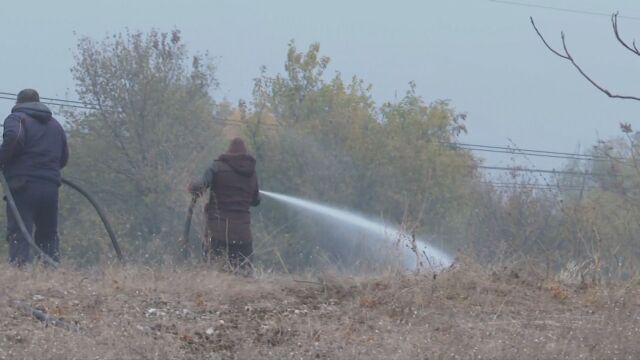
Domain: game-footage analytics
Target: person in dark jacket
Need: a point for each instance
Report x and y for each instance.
(33, 151)
(233, 186)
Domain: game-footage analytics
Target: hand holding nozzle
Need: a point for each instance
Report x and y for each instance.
(196, 190)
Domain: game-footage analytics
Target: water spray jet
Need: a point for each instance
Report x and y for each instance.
(434, 258)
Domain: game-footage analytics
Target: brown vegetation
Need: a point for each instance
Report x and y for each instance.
(464, 312)
(322, 138)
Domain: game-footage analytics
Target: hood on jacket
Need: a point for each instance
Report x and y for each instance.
(242, 164)
(36, 110)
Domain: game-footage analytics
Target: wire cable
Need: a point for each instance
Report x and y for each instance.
(464, 146)
(514, 152)
(544, 171)
(52, 99)
(575, 11)
(532, 152)
(538, 186)
(54, 104)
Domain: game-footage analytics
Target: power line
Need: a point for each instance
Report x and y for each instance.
(575, 11)
(543, 171)
(92, 106)
(537, 186)
(465, 146)
(532, 152)
(95, 107)
(543, 188)
(62, 103)
(495, 149)
(523, 153)
(72, 103)
(577, 157)
(52, 99)
(54, 104)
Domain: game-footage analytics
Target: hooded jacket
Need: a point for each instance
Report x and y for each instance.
(235, 185)
(34, 144)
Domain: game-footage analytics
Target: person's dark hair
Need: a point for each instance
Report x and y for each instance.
(237, 147)
(28, 95)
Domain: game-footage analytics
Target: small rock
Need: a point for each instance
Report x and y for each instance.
(37, 297)
(209, 331)
(155, 312)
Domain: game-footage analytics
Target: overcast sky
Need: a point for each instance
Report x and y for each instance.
(482, 55)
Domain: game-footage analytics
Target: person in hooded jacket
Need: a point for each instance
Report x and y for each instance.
(33, 151)
(233, 189)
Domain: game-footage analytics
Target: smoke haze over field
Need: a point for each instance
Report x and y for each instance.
(394, 150)
(388, 133)
(482, 55)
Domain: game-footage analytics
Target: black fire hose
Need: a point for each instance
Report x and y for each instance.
(101, 214)
(187, 227)
(27, 235)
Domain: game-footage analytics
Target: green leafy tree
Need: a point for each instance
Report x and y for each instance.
(324, 138)
(153, 125)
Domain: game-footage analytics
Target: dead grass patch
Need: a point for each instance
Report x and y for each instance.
(143, 313)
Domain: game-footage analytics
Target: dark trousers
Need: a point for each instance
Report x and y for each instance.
(229, 242)
(37, 203)
(235, 257)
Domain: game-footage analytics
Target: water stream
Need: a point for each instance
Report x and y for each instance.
(430, 255)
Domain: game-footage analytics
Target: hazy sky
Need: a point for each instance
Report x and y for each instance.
(481, 55)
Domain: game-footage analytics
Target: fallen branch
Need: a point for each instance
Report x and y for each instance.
(42, 316)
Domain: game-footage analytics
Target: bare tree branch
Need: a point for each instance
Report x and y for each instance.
(546, 43)
(567, 56)
(614, 23)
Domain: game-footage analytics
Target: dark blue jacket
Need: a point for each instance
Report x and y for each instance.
(34, 144)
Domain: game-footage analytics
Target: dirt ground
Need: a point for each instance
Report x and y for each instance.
(463, 313)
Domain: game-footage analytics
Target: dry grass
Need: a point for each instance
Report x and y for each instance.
(466, 312)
